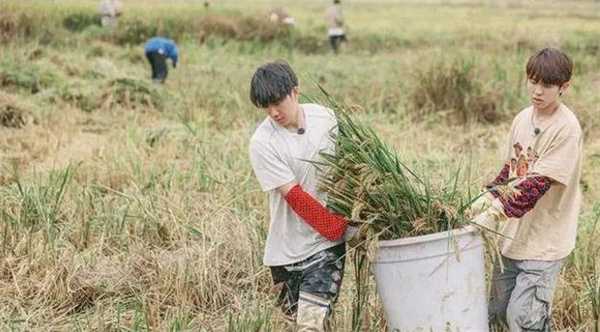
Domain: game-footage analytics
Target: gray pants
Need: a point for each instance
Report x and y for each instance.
(522, 294)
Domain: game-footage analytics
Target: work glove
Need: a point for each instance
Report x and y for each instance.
(486, 220)
(481, 204)
(492, 214)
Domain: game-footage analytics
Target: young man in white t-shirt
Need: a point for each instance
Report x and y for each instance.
(539, 221)
(304, 247)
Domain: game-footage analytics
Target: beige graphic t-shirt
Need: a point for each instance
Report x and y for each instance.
(548, 231)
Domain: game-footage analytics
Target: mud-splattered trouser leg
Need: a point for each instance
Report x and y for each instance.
(311, 287)
(522, 294)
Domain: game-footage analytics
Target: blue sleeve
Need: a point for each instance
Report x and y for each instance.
(172, 52)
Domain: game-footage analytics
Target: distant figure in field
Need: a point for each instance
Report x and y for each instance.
(280, 16)
(157, 50)
(110, 10)
(335, 25)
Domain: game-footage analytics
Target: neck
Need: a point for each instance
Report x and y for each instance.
(297, 120)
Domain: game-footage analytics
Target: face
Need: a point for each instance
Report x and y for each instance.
(285, 113)
(544, 96)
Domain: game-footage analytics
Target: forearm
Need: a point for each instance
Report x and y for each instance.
(330, 225)
(529, 193)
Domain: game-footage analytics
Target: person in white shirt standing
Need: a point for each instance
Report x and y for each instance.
(335, 25)
(305, 246)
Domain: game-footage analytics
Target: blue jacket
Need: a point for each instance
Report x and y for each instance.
(163, 46)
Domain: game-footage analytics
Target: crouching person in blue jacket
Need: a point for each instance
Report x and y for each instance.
(157, 50)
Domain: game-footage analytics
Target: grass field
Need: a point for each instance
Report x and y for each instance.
(126, 206)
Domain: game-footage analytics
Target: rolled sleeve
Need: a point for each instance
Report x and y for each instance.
(559, 161)
(270, 169)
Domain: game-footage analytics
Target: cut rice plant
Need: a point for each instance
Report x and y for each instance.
(368, 183)
(14, 114)
(132, 94)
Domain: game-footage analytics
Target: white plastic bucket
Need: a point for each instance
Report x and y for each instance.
(426, 284)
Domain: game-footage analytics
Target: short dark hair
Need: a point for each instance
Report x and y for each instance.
(550, 66)
(271, 83)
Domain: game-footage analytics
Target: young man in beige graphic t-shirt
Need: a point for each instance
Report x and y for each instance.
(538, 218)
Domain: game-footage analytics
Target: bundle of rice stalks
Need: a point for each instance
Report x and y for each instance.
(12, 114)
(369, 184)
(132, 94)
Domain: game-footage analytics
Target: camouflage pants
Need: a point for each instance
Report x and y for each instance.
(522, 294)
(311, 285)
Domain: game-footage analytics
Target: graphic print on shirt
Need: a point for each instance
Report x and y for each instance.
(522, 161)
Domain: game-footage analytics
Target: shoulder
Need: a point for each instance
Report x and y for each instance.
(262, 136)
(524, 114)
(319, 112)
(569, 124)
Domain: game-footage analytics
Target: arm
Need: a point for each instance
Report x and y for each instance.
(173, 53)
(331, 226)
(530, 191)
(496, 207)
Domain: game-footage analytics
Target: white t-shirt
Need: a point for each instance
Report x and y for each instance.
(279, 156)
(549, 230)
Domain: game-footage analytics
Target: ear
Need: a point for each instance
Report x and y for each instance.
(565, 86)
(295, 93)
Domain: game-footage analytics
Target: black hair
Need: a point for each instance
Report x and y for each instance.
(271, 83)
(550, 66)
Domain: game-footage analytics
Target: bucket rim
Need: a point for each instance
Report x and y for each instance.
(428, 238)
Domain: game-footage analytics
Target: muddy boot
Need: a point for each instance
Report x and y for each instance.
(312, 313)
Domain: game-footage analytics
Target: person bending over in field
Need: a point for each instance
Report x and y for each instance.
(539, 216)
(157, 50)
(305, 245)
